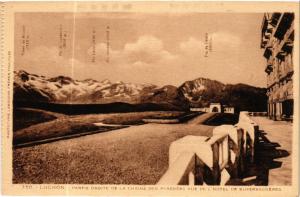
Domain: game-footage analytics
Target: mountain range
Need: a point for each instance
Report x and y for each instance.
(195, 93)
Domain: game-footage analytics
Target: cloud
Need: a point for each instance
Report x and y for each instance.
(101, 54)
(225, 41)
(192, 47)
(225, 37)
(146, 60)
(148, 49)
(148, 56)
(46, 60)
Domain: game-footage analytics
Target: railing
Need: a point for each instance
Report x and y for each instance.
(199, 160)
(193, 157)
(258, 114)
(250, 129)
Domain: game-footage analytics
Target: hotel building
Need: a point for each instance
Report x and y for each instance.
(277, 38)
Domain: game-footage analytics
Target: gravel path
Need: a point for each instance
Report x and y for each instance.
(201, 119)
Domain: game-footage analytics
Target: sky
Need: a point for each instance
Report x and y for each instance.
(155, 48)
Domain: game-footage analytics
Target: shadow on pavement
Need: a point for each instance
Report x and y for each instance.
(265, 155)
(222, 118)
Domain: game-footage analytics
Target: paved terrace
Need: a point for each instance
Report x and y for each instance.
(278, 157)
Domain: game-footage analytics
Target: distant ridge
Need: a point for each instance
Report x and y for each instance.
(200, 92)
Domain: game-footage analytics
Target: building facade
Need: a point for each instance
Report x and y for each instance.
(277, 40)
(228, 110)
(215, 107)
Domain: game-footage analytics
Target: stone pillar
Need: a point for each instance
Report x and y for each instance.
(271, 110)
(278, 110)
(274, 111)
(268, 110)
(281, 110)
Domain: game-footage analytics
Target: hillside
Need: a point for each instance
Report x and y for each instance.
(201, 92)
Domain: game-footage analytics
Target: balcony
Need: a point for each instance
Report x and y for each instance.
(282, 32)
(264, 42)
(284, 24)
(267, 35)
(274, 19)
(288, 46)
(286, 72)
(272, 79)
(269, 67)
(269, 29)
(281, 55)
(268, 52)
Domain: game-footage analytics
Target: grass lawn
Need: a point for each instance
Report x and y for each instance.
(25, 117)
(67, 125)
(134, 155)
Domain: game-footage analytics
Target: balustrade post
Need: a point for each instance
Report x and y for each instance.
(199, 171)
(191, 178)
(256, 141)
(216, 167)
(226, 153)
(239, 164)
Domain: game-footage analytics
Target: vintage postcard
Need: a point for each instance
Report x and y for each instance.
(150, 98)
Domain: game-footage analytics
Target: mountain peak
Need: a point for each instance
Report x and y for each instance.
(90, 80)
(106, 81)
(119, 82)
(21, 72)
(197, 92)
(22, 75)
(63, 80)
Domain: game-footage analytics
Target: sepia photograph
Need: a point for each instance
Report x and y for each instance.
(153, 98)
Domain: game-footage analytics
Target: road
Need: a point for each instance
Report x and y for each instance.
(133, 155)
(201, 119)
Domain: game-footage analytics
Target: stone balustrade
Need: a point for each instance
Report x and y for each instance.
(199, 160)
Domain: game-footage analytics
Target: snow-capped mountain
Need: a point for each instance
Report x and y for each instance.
(196, 93)
(63, 89)
(196, 89)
